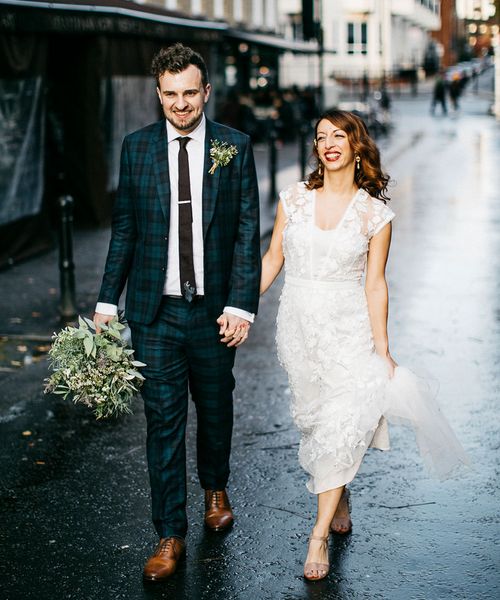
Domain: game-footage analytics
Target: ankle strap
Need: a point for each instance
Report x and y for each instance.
(318, 538)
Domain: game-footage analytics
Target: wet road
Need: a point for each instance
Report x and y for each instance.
(75, 499)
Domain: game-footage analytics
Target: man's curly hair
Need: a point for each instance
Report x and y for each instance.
(177, 58)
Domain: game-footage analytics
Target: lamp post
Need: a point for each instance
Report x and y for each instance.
(66, 265)
(321, 56)
(312, 16)
(496, 106)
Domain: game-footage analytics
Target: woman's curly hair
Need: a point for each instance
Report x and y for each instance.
(370, 175)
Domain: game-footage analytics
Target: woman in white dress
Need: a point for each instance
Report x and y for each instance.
(333, 234)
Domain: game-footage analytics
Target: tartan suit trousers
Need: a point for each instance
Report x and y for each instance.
(182, 349)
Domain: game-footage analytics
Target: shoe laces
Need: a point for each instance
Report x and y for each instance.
(216, 497)
(164, 546)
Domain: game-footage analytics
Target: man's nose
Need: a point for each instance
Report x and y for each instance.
(181, 102)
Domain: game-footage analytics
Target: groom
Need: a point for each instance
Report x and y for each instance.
(185, 239)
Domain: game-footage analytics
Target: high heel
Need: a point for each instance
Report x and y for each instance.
(343, 525)
(321, 568)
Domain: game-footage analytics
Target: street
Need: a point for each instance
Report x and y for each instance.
(74, 493)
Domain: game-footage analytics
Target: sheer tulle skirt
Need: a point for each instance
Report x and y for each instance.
(342, 396)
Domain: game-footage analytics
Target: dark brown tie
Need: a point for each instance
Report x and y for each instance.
(186, 265)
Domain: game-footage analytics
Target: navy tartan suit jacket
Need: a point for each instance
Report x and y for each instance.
(139, 241)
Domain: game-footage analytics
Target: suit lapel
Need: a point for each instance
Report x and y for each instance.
(159, 150)
(210, 182)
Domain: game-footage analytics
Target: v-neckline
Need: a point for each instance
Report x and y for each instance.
(342, 218)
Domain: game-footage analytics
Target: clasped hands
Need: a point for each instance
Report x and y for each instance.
(234, 330)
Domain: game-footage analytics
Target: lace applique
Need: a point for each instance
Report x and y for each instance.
(296, 202)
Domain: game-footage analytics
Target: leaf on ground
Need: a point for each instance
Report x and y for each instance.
(43, 348)
(27, 433)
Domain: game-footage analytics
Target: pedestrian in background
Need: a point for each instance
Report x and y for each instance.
(332, 231)
(185, 238)
(456, 87)
(439, 94)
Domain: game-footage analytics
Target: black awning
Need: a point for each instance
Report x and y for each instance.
(129, 18)
(104, 16)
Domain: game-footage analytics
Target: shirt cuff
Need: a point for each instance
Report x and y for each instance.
(238, 312)
(106, 309)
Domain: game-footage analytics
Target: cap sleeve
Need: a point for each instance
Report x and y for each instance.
(379, 215)
(284, 196)
(288, 197)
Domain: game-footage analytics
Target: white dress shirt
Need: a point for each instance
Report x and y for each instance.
(196, 157)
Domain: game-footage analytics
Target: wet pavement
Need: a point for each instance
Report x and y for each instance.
(74, 494)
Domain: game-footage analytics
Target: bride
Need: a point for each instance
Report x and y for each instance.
(333, 234)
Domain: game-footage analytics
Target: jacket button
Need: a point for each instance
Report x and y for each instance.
(163, 268)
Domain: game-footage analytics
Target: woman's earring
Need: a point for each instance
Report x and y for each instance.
(358, 162)
(320, 168)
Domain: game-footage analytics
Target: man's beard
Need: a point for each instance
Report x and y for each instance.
(183, 125)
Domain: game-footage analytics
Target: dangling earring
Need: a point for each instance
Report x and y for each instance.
(320, 168)
(358, 162)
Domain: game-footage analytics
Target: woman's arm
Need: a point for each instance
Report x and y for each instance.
(376, 292)
(273, 259)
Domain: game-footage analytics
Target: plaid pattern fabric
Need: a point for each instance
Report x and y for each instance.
(182, 345)
(139, 242)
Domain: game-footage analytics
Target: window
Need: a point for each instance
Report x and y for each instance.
(357, 34)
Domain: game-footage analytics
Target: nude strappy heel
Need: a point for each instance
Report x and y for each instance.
(322, 568)
(343, 525)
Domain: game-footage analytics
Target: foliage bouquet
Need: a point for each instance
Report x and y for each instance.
(96, 369)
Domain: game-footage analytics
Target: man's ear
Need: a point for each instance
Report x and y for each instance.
(208, 89)
(159, 94)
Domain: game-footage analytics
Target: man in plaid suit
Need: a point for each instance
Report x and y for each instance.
(189, 304)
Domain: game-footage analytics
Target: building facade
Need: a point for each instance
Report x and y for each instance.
(481, 24)
(253, 14)
(447, 37)
(368, 37)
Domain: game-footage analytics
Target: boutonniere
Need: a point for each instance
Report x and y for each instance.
(221, 154)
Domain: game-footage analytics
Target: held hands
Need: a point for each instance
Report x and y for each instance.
(100, 319)
(234, 330)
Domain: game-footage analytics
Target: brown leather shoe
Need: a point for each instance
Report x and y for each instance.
(218, 513)
(163, 562)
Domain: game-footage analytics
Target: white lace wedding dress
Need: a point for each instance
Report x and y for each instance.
(341, 392)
